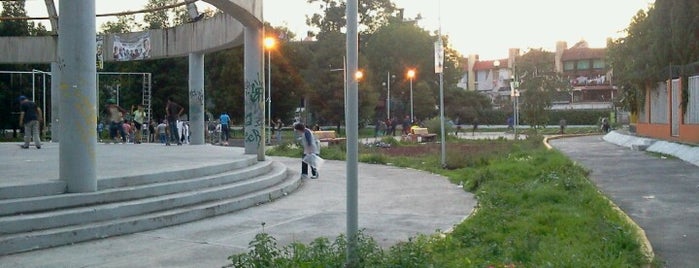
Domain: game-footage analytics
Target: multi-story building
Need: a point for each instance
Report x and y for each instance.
(590, 77)
(490, 77)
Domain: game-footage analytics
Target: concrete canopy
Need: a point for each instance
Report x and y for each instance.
(222, 31)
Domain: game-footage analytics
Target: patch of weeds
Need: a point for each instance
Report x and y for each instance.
(373, 158)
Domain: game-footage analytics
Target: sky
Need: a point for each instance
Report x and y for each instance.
(487, 28)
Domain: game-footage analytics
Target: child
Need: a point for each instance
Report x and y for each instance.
(162, 131)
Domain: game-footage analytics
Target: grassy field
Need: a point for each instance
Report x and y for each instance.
(536, 209)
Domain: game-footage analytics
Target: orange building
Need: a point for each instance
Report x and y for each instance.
(663, 116)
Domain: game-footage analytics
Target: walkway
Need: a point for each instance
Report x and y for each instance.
(658, 193)
(394, 205)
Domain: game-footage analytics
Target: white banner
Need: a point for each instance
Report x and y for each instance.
(438, 57)
(135, 49)
(100, 57)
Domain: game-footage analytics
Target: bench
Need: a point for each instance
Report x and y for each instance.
(420, 134)
(328, 136)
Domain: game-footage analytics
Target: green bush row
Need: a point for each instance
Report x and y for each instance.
(572, 117)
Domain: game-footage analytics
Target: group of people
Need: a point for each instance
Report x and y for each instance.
(121, 128)
(388, 126)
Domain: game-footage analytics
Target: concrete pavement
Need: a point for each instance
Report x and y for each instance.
(659, 194)
(394, 205)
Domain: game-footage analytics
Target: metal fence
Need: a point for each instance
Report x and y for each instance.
(658, 104)
(692, 115)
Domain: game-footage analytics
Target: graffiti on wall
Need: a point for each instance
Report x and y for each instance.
(253, 123)
(196, 96)
(85, 116)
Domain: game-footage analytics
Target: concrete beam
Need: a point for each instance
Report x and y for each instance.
(222, 31)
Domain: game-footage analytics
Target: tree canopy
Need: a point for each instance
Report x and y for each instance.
(660, 43)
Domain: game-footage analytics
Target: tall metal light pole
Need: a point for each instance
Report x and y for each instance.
(351, 124)
(411, 75)
(269, 44)
(514, 84)
(388, 93)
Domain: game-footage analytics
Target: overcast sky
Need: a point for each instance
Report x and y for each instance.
(487, 28)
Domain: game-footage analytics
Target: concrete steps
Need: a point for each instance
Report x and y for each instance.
(138, 203)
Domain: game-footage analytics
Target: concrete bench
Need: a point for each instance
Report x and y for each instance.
(328, 136)
(421, 134)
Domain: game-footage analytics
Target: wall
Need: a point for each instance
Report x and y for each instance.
(688, 133)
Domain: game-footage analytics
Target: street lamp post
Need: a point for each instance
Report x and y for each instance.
(388, 93)
(269, 44)
(514, 84)
(411, 75)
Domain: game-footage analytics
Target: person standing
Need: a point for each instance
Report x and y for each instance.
(605, 125)
(510, 123)
(562, 123)
(151, 130)
(173, 112)
(406, 125)
(162, 131)
(139, 118)
(394, 125)
(128, 129)
(278, 127)
(225, 126)
(30, 117)
(310, 146)
(115, 115)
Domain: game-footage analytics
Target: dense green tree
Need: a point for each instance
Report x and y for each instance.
(464, 106)
(14, 27)
(399, 46)
(631, 74)
(538, 81)
(160, 18)
(123, 24)
(325, 77)
(372, 15)
(661, 43)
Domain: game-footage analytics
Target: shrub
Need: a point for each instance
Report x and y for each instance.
(434, 125)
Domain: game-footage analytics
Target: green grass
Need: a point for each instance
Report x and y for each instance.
(536, 209)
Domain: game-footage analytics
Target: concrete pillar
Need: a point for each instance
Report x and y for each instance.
(254, 93)
(54, 121)
(196, 98)
(76, 59)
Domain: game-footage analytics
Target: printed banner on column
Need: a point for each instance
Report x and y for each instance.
(137, 48)
(100, 57)
(438, 57)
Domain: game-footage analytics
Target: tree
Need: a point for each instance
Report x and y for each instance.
(538, 80)
(464, 106)
(325, 78)
(14, 27)
(631, 74)
(660, 44)
(123, 24)
(162, 18)
(399, 46)
(372, 15)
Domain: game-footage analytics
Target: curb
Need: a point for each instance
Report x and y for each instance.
(646, 247)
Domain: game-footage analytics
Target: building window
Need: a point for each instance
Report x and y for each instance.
(568, 65)
(583, 65)
(598, 64)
